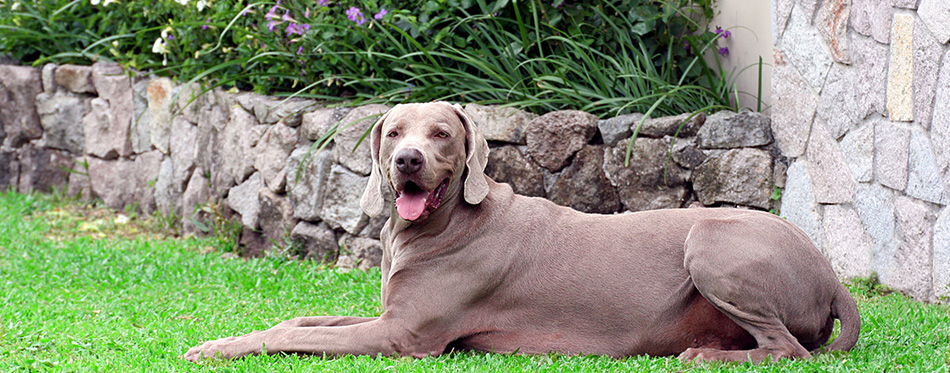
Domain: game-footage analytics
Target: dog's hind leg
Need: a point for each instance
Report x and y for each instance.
(764, 276)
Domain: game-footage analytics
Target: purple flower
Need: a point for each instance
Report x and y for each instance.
(323, 2)
(723, 33)
(272, 14)
(379, 16)
(686, 45)
(205, 26)
(272, 25)
(354, 14)
(171, 37)
(724, 51)
(300, 50)
(410, 87)
(287, 17)
(297, 29)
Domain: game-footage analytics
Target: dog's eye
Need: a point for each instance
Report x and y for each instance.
(442, 135)
(392, 134)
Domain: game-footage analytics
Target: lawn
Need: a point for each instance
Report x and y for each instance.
(87, 289)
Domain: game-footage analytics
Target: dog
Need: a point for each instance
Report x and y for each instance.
(469, 265)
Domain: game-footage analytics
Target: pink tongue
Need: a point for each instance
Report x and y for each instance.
(411, 205)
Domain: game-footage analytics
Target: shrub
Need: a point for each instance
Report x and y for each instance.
(606, 57)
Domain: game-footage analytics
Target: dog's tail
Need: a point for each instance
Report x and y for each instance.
(845, 310)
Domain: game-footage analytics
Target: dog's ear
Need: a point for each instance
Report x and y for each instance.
(476, 184)
(372, 200)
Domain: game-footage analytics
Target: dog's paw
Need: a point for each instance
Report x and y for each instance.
(225, 348)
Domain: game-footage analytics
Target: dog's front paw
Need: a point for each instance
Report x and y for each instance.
(225, 348)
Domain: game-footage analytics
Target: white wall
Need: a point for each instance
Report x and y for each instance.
(750, 22)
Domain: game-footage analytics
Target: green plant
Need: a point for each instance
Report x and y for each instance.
(607, 56)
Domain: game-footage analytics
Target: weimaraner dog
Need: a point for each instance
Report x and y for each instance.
(469, 265)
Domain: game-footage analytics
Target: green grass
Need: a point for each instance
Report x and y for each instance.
(82, 291)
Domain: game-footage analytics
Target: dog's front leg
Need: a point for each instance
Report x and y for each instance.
(375, 337)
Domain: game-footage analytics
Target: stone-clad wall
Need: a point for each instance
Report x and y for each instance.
(138, 141)
(861, 106)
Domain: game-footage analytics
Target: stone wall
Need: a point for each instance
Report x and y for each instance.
(861, 106)
(161, 148)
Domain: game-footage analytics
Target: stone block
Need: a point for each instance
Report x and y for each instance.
(740, 176)
(793, 109)
(832, 23)
(554, 137)
(912, 261)
(846, 245)
(813, 63)
(276, 216)
(507, 164)
(315, 242)
(505, 124)
(936, 15)
(160, 108)
(307, 173)
(47, 77)
(875, 205)
(233, 150)
(351, 130)
(687, 154)
(681, 126)
(184, 150)
(42, 169)
(583, 186)
(900, 72)
(926, 69)
(781, 10)
(798, 202)
(245, 200)
(652, 181)
(123, 181)
(76, 79)
(19, 86)
(9, 170)
(61, 116)
(940, 124)
(726, 130)
(838, 106)
(924, 180)
(857, 147)
(197, 193)
(941, 256)
(141, 131)
(341, 204)
(115, 87)
(891, 146)
(617, 128)
(871, 62)
(317, 123)
(359, 252)
(830, 175)
(872, 18)
(272, 152)
(167, 193)
(78, 184)
(211, 124)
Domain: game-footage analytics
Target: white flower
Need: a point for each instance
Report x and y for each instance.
(201, 4)
(109, 2)
(182, 2)
(159, 46)
(94, 2)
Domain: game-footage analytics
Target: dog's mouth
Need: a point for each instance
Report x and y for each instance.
(413, 201)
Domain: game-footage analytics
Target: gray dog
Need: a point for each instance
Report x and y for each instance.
(468, 264)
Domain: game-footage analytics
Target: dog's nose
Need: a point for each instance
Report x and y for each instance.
(409, 160)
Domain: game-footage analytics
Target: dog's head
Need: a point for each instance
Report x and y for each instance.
(423, 152)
